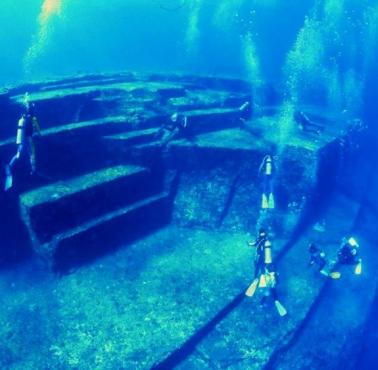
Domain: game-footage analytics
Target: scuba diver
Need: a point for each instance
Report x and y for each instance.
(348, 254)
(267, 172)
(305, 124)
(317, 258)
(260, 244)
(265, 276)
(245, 113)
(168, 131)
(27, 128)
(270, 290)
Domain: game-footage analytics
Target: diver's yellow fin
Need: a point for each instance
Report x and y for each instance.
(280, 308)
(335, 275)
(252, 288)
(262, 282)
(8, 182)
(358, 268)
(264, 202)
(271, 203)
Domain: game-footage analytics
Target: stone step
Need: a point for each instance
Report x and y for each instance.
(208, 99)
(57, 107)
(61, 206)
(136, 87)
(135, 137)
(202, 120)
(199, 121)
(259, 133)
(100, 126)
(72, 81)
(66, 151)
(103, 234)
(88, 80)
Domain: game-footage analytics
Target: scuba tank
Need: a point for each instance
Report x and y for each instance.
(268, 166)
(20, 138)
(24, 129)
(268, 252)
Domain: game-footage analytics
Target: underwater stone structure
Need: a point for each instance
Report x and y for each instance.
(105, 181)
(99, 159)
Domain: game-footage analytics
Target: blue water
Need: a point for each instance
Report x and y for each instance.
(313, 52)
(149, 35)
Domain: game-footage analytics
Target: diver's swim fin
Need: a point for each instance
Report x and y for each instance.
(324, 273)
(335, 275)
(252, 288)
(358, 268)
(280, 308)
(271, 204)
(264, 202)
(262, 281)
(8, 179)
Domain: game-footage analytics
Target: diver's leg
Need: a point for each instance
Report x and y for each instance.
(16, 157)
(9, 168)
(258, 267)
(32, 156)
(273, 293)
(279, 306)
(265, 193)
(316, 126)
(166, 137)
(270, 185)
(271, 201)
(313, 127)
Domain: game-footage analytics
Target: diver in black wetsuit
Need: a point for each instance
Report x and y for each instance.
(175, 127)
(305, 124)
(266, 172)
(263, 257)
(270, 290)
(318, 258)
(245, 113)
(348, 254)
(27, 128)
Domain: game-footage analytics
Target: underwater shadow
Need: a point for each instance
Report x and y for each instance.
(329, 168)
(229, 200)
(109, 237)
(14, 240)
(121, 232)
(274, 359)
(368, 355)
(187, 349)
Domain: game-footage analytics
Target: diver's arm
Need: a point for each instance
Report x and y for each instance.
(305, 117)
(37, 127)
(312, 260)
(261, 168)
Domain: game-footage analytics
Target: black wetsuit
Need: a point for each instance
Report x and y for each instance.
(347, 255)
(260, 257)
(25, 131)
(317, 257)
(267, 170)
(172, 129)
(306, 124)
